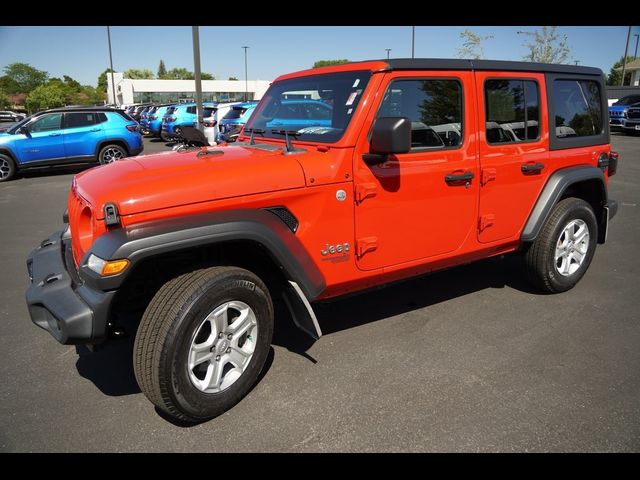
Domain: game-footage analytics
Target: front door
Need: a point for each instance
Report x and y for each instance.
(44, 141)
(423, 203)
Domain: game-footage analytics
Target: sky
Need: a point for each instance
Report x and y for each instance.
(82, 52)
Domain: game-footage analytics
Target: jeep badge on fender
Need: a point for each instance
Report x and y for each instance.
(338, 248)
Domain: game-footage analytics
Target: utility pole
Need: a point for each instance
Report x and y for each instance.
(246, 79)
(413, 42)
(635, 54)
(113, 83)
(388, 50)
(624, 59)
(195, 32)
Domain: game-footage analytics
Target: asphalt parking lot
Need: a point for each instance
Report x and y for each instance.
(470, 359)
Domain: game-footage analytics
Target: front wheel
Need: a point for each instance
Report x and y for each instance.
(562, 253)
(7, 168)
(202, 342)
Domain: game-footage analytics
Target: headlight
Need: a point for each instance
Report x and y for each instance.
(106, 268)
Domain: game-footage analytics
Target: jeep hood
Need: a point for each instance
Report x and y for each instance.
(171, 179)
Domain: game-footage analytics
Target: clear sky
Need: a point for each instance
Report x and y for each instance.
(82, 52)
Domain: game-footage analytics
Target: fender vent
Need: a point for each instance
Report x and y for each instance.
(286, 216)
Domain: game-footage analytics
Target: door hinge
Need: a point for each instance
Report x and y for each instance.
(365, 190)
(366, 244)
(486, 221)
(488, 174)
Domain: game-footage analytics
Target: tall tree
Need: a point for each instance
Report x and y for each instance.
(9, 85)
(162, 70)
(179, 74)
(4, 99)
(102, 80)
(25, 76)
(614, 74)
(206, 76)
(327, 63)
(472, 45)
(139, 73)
(547, 46)
(46, 96)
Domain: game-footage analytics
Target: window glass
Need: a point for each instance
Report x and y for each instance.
(46, 123)
(434, 108)
(102, 118)
(512, 110)
(76, 120)
(316, 111)
(578, 111)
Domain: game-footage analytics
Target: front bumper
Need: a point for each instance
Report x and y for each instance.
(59, 301)
(631, 124)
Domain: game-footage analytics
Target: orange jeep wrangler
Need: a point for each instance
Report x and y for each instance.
(387, 170)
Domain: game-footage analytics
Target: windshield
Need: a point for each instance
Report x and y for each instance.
(628, 100)
(316, 108)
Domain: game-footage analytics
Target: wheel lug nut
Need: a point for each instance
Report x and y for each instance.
(229, 350)
(220, 335)
(217, 358)
(229, 337)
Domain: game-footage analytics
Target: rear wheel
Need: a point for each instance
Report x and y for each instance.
(111, 153)
(164, 137)
(203, 341)
(562, 253)
(7, 168)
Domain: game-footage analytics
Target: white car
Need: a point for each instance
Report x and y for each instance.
(211, 124)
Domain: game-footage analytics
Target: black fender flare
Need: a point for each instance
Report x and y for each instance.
(152, 238)
(557, 184)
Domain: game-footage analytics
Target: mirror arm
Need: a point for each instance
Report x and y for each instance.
(374, 158)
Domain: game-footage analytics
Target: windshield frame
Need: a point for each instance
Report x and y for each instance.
(364, 79)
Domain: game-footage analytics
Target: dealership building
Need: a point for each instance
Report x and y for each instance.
(130, 91)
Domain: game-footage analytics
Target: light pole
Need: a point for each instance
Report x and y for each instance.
(113, 83)
(635, 54)
(246, 78)
(624, 59)
(413, 41)
(388, 50)
(195, 33)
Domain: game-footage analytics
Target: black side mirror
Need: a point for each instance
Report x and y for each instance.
(390, 135)
(24, 131)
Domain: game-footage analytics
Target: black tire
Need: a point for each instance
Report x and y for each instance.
(540, 259)
(168, 327)
(7, 168)
(111, 153)
(164, 137)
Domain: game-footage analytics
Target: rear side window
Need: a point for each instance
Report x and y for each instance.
(234, 113)
(101, 117)
(170, 110)
(512, 110)
(77, 120)
(578, 109)
(434, 107)
(191, 110)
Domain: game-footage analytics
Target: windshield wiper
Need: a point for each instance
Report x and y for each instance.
(287, 140)
(259, 131)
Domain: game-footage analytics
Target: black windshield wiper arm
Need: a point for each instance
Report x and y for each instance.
(259, 131)
(287, 134)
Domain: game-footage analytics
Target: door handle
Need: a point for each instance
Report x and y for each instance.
(458, 179)
(54, 134)
(94, 130)
(532, 167)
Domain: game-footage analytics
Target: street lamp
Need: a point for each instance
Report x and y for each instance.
(413, 41)
(246, 78)
(113, 83)
(388, 50)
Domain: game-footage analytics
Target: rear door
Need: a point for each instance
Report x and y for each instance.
(82, 132)
(514, 150)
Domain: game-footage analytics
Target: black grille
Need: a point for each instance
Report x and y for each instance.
(633, 113)
(286, 216)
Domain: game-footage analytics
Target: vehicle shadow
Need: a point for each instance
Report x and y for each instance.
(50, 171)
(111, 368)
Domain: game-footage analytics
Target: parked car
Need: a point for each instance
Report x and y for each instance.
(234, 120)
(631, 124)
(183, 114)
(154, 119)
(63, 136)
(137, 112)
(6, 116)
(212, 123)
(618, 111)
(205, 239)
(144, 119)
(300, 113)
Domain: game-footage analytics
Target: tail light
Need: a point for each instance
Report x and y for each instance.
(613, 163)
(171, 119)
(153, 117)
(211, 123)
(132, 128)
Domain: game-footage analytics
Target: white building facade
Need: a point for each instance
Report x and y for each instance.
(129, 91)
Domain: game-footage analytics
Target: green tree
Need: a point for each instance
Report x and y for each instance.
(4, 99)
(327, 63)
(547, 46)
(26, 77)
(472, 45)
(179, 74)
(233, 78)
(46, 96)
(162, 70)
(206, 76)
(102, 80)
(9, 85)
(614, 74)
(138, 73)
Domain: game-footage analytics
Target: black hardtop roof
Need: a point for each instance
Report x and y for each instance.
(81, 109)
(497, 65)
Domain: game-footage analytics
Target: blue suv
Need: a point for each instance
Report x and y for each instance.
(618, 111)
(182, 115)
(65, 135)
(234, 120)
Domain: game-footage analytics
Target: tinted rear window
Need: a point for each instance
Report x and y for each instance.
(578, 109)
(170, 110)
(234, 113)
(76, 120)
